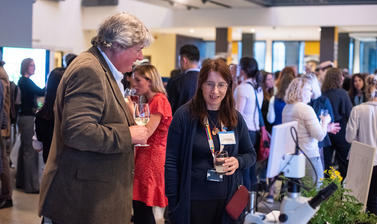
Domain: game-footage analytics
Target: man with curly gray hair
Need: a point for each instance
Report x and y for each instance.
(89, 172)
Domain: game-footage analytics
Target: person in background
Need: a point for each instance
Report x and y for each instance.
(319, 103)
(246, 96)
(356, 91)
(89, 172)
(322, 69)
(195, 197)
(362, 127)
(276, 104)
(182, 87)
(309, 129)
(27, 176)
(341, 105)
(44, 119)
(268, 92)
(149, 181)
(6, 187)
(347, 82)
(234, 72)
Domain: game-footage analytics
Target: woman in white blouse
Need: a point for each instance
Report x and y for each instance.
(309, 129)
(362, 127)
(246, 95)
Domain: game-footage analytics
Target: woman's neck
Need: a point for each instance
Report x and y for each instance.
(150, 95)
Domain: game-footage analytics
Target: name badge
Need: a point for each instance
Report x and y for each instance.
(227, 138)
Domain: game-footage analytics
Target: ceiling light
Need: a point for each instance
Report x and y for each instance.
(192, 30)
(252, 30)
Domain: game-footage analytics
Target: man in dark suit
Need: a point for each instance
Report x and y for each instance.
(89, 172)
(182, 87)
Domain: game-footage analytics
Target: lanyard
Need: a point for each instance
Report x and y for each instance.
(210, 139)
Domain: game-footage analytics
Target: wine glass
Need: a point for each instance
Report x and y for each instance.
(130, 93)
(141, 115)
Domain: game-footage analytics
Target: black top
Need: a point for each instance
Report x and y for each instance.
(44, 128)
(341, 105)
(181, 89)
(202, 160)
(29, 93)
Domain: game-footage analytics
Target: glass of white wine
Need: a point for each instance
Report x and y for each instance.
(141, 115)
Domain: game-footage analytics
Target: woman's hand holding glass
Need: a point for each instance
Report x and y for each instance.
(141, 115)
(224, 164)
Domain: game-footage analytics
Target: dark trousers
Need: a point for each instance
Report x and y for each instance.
(143, 214)
(250, 180)
(372, 197)
(207, 211)
(27, 163)
(328, 153)
(341, 147)
(6, 188)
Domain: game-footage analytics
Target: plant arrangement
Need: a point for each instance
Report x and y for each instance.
(341, 207)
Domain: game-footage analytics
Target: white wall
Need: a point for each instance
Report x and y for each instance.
(58, 25)
(15, 17)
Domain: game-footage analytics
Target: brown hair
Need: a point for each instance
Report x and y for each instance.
(333, 79)
(353, 91)
(227, 113)
(25, 66)
(285, 78)
(267, 93)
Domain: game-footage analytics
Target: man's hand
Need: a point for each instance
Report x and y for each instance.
(139, 134)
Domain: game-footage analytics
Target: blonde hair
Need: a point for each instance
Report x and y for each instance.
(315, 84)
(294, 90)
(149, 72)
(371, 87)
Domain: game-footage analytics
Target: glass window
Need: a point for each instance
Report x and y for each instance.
(288, 53)
(368, 56)
(260, 53)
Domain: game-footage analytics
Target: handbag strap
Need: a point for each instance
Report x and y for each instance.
(261, 121)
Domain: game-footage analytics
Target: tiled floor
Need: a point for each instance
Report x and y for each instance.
(24, 210)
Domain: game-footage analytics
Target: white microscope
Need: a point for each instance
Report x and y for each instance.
(285, 157)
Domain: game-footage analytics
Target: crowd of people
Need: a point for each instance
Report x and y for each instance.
(101, 165)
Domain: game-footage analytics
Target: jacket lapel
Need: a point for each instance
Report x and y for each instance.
(114, 86)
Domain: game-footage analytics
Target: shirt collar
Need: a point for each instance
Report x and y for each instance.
(192, 69)
(117, 74)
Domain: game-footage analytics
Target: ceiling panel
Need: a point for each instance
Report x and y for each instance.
(272, 3)
(198, 4)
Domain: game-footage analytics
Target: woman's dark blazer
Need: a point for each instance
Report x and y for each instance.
(179, 149)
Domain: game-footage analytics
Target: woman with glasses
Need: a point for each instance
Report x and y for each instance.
(201, 129)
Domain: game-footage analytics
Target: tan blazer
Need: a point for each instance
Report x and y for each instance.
(89, 172)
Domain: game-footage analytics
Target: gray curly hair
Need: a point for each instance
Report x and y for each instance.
(123, 29)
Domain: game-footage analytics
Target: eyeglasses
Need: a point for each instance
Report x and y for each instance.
(220, 86)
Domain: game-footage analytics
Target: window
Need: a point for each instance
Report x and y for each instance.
(368, 56)
(288, 53)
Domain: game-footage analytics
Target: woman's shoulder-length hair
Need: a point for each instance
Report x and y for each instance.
(227, 112)
(333, 79)
(295, 90)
